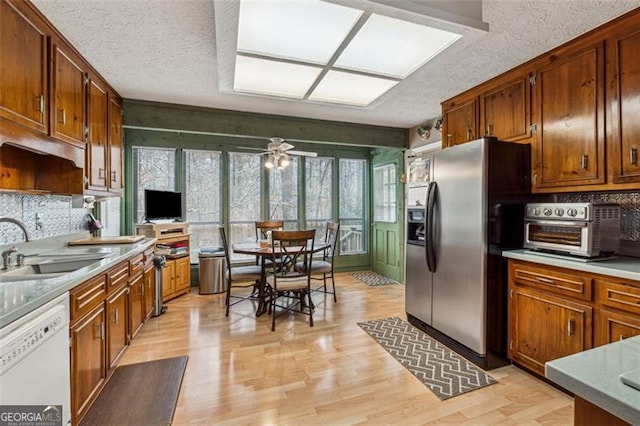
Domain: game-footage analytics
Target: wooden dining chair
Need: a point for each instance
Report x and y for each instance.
(264, 226)
(238, 276)
(323, 267)
(285, 281)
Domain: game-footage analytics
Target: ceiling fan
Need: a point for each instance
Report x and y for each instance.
(279, 153)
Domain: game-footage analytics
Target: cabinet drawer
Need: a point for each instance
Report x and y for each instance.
(118, 276)
(620, 295)
(553, 280)
(87, 296)
(136, 264)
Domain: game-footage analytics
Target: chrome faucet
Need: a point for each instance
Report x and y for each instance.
(20, 224)
(6, 255)
(6, 258)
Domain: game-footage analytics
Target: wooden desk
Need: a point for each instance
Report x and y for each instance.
(266, 252)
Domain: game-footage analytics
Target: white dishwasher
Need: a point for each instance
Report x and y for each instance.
(34, 358)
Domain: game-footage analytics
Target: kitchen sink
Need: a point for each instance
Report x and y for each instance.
(52, 265)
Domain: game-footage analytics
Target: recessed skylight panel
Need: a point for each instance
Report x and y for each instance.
(353, 89)
(308, 30)
(392, 47)
(262, 76)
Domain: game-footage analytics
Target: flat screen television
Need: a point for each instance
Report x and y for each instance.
(162, 205)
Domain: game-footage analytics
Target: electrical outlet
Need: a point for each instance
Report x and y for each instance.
(39, 223)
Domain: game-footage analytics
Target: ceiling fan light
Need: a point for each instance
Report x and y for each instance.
(269, 162)
(282, 162)
(285, 160)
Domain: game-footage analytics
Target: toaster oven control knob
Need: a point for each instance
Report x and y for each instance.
(547, 211)
(572, 212)
(536, 211)
(559, 212)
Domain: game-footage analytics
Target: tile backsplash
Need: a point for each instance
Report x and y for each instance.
(43, 215)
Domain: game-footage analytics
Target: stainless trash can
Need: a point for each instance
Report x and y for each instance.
(212, 270)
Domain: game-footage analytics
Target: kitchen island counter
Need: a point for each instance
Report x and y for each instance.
(594, 375)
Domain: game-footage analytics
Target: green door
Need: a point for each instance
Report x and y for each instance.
(387, 253)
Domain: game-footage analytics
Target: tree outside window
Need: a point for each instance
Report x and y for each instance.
(319, 193)
(153, 168)
(352, 205)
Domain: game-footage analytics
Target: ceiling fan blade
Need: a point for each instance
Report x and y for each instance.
(303, 153)
(285, 146)
(263, 151)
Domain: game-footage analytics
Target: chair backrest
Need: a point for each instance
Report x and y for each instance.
(331, 238)
(264, 226)
(225, 244)
(292, 248)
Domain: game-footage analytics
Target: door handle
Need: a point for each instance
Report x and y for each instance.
(633, 156)
(584, 162)
(62, 119)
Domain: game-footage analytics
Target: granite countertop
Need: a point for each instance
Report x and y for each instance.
(620, 267)
(594, 376)
(18, 298)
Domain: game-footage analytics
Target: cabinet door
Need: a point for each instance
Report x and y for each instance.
(568, 148)
(68, 96)
(505, 111)
(96, 166)
(23, 75)
(460, 122)
(624, 74)
(612, 327)
(149, 291)
(88, 363)
(136, 305)
(168, 280)
(543, 327)
(115, 145)
(183, 274)
(117, 327)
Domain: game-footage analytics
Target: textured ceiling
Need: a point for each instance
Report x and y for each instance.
(170, 51)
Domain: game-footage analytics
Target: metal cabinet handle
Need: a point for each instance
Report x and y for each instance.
(116, 316)
(570, 327)
(101, 173)
(622, 337)
(468, 134)
(100, 328)
(545, 280)
(41, 103)
(511, 293)
(113, 176)
(633, 156)
(584, 161)
(449, 139)
(62, 116)
(489, 130)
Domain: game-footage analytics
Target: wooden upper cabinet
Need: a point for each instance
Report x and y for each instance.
(568, 148)
(96, 163)
(505, 110)
(68, 95)
(624, 101)
(460, 121)
(23, 74)
(115, 146)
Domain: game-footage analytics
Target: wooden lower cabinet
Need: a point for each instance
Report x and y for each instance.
(545, 327)
(88, 361)
(612, 327)
(555, 312)
(176, 278)
(136, 305)
(117, 327)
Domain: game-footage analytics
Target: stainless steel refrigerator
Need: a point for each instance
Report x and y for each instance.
(456, 278)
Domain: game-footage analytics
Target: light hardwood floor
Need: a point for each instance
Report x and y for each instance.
(239, 372)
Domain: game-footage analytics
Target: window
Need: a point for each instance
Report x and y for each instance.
(245, 197)
(283, 194)
(203, 199)
(352, 205)
(318, 187)
(384, 189)
(153, 168)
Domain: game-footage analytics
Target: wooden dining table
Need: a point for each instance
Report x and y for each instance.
(264, 250)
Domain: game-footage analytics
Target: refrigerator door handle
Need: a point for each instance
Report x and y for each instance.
(430, 234)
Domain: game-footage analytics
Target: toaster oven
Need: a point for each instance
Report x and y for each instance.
(579, 229)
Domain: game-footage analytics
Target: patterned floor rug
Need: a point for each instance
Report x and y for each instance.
(443, 371)
(373, 278)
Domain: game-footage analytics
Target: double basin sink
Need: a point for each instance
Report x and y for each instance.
(54, 264)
